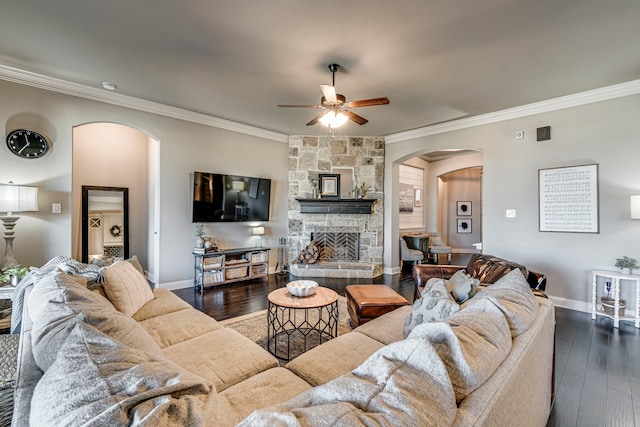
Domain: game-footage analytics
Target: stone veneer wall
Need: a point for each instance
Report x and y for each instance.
(313, 155)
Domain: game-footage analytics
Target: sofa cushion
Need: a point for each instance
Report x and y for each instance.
(224, 357)
(164, 301)
(472, 343)
(264, 389)
(515, 298)
(98, 381)
(345, 353)
(60, 301)
(125, 287)
(179, 326)
(436, 305)
(387, 328)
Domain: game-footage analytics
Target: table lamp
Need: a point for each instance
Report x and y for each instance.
(14, 198)
(258, 231)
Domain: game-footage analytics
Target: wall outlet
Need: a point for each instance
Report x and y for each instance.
(520, 134)
(510, 213)
(56, 208)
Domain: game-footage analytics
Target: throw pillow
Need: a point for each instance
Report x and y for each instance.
(54, 305)
(98, 381)
(126, 288)
(436, 305)
(462, 286)
(515, 298)
(136, 263)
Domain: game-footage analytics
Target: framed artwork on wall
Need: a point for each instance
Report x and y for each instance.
(464, 208)
(329, 186)
(568, 199)
(464, 226)
(405, 198)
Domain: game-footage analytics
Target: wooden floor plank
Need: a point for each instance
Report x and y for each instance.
(619, 409)
(594, 392)
(567, 405)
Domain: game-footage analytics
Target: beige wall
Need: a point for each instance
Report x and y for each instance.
(184, 147)
(605, 133)
(112, 155)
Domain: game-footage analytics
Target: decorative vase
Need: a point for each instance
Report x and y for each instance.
(208, 244)
(625, 270)
(199, 242)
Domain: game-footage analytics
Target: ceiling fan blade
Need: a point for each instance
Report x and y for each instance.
(368, 102)
(315, 119)
(299, 106)
(354, 117)
(329, 93)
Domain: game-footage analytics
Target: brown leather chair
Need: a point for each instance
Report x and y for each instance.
(486, 268)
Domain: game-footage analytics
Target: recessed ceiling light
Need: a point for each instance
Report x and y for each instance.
(109, 86)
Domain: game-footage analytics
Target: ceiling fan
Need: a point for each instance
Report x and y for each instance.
(336, 108)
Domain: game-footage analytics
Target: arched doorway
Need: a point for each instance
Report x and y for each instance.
(115, 155)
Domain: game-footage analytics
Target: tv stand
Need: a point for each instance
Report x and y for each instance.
(229, 266)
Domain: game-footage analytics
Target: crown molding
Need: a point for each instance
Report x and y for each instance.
(53, 84)
(582, 98)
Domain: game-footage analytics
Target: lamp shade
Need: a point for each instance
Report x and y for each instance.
(333, 119)
(18, 198)
(257, 231)
(635, 207)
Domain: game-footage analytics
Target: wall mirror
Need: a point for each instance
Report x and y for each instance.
(105, 223)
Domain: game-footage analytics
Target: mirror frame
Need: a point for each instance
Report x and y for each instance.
(85, 218)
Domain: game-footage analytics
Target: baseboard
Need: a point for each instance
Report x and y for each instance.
(391, 270)
(180, 284)
(582, 306)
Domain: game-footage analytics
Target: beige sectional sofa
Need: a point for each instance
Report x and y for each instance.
(83, 361)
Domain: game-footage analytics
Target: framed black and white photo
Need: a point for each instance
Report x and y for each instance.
(329, 186)
(464, 208)
(568, 199)
(464, 226)
(405, 198)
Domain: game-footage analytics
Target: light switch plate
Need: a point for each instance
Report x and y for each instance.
(510, 213)
(56, 208)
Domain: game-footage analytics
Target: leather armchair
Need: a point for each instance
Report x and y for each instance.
(486, 268)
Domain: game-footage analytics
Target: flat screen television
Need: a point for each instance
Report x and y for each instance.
(230, 198)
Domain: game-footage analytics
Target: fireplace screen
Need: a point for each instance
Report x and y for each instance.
(338, 244)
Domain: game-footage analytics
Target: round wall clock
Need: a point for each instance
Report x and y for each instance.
(27, 144)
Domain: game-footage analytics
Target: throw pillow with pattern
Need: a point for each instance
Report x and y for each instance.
(436, 305)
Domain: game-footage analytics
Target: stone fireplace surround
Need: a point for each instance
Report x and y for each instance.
(310, 156)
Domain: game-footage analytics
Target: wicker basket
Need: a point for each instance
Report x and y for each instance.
(608, 306)
(236, 273)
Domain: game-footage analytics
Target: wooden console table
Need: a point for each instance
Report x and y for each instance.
(230, 265)
(616, 279)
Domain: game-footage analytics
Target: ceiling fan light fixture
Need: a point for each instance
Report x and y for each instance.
(333, 119)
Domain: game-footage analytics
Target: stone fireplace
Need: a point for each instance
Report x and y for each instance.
(351, 244)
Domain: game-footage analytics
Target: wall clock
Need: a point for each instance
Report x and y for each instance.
(27, 144)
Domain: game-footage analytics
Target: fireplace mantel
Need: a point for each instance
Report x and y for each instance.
(336, 206)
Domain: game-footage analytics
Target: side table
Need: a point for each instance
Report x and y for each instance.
(616, 280)
(290, 317)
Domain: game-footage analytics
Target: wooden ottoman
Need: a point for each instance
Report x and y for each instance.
(366, 302)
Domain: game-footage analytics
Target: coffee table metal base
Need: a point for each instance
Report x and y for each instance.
(309, 325)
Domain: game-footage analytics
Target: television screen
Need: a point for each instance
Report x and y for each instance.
(230, 198)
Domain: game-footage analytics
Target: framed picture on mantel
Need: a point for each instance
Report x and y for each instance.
(329, 186)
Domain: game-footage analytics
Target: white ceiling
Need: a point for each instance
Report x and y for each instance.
(435, 60)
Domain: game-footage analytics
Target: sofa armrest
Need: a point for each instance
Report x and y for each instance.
(423, 272)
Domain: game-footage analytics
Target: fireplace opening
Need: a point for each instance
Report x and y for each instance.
(338, 243)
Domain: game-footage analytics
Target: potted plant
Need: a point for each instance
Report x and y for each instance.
(626, 264)
(13, 275)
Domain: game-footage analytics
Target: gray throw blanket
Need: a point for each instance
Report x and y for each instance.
(64, 263)
(414, 382)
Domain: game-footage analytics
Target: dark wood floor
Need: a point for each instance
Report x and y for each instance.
(597, 366)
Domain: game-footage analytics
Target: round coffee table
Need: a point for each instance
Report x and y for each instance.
(303, 320)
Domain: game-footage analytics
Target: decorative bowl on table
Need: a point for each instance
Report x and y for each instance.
(302, 288)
